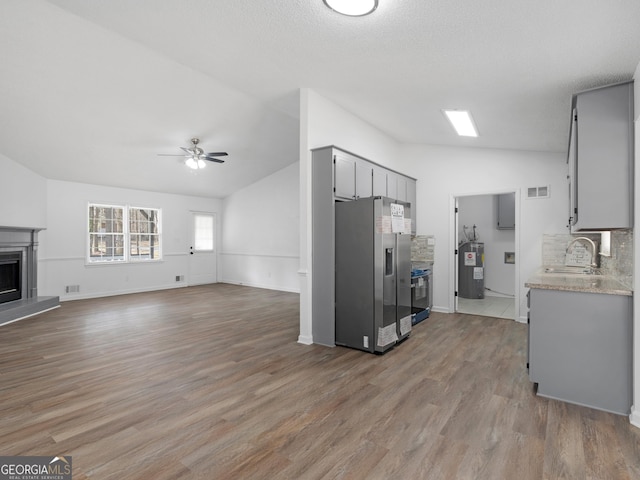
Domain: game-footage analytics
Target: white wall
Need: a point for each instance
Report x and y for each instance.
(446, 172)
(63, 244)
(260, 233)
(482, 211)
(635, 408)
(323, 123)
(23, 195)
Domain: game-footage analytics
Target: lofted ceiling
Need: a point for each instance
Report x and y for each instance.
(93, 91)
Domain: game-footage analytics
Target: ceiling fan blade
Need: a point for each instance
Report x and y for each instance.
(211, 159)
(217, 154)
(189, 151)
(170, 154)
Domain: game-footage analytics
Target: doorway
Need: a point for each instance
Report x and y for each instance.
(486, 227)
(202, 249)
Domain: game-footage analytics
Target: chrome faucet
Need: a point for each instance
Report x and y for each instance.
(593, 249)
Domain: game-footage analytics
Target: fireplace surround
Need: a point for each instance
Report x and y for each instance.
(19, 275)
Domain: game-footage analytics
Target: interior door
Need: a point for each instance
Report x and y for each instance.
(202, 249)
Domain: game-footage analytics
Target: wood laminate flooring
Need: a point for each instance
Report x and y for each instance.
(209, 382)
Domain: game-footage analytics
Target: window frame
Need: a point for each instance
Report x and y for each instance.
(127, 235)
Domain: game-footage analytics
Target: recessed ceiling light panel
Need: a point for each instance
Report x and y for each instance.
(462, 122)
(353, 8)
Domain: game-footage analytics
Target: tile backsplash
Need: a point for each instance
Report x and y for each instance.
(619, 264)
(423, 248)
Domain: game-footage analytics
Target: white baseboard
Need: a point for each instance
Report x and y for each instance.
(305, 340)
(634, 418)
(259, 285)
(86, 296)
(440, 309)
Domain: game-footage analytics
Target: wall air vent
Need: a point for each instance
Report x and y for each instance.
(72, 289)
(538, 192)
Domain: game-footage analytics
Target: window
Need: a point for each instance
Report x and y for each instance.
(203, 232)
(106, 233)
(122, 234)
(144, 234)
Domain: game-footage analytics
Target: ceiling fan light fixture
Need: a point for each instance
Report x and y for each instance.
(194, 163)
(352, 8)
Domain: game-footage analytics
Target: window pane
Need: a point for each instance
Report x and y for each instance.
(106, 233)
(142, 245)
(106, 248)
(203, 232)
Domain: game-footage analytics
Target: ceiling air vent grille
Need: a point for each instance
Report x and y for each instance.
(538, 192)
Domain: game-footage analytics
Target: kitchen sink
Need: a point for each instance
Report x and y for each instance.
(569, 270)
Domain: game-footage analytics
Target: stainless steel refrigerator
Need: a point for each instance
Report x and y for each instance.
(373, 273)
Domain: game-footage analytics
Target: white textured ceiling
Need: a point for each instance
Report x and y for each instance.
(93, 90)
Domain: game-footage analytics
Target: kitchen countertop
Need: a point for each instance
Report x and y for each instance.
(578, 282)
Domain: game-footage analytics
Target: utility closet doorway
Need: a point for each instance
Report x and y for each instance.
(485, 267)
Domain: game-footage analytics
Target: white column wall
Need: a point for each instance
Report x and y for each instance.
(635, 408)
(323, 123)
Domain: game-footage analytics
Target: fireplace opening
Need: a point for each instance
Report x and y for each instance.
(10, 276)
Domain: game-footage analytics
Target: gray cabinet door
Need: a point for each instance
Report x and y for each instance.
(379, 181)
(344, 170)
(412, 198)
(392, 185)
(604, 157)
(364, 178)
(506, 211)
(401, 188)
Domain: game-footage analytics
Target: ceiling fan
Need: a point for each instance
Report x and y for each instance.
(195, 157)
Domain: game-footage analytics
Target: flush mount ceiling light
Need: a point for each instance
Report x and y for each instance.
(462, 122)
(353, 8)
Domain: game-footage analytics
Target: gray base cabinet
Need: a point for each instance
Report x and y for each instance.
(580, 348)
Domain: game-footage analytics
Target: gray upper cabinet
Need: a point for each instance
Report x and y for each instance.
(364, 178)
(506, 212)
(353, 176)
(601, 158)
(344, 171)
(412, 197)
(392, 185)
(401, 188)
(379, 181)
